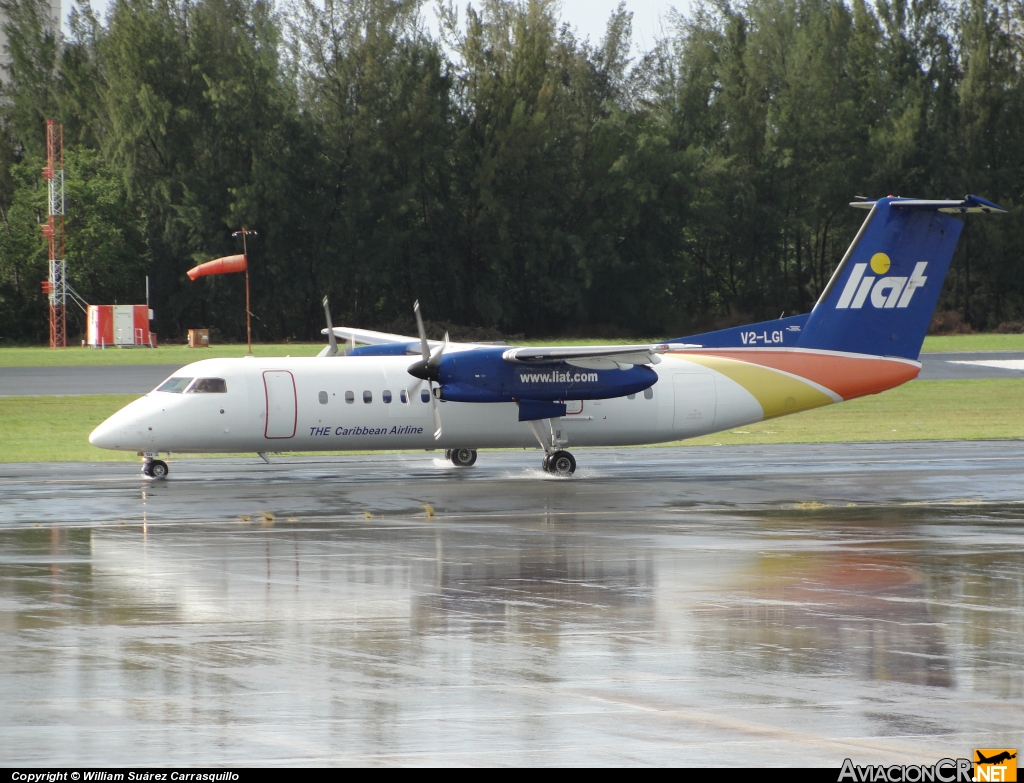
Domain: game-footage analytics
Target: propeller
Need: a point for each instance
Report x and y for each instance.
(333, 348)
(332, 343)
(423, 332)
(428, 368)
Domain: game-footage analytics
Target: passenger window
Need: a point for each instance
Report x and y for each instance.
(323, 398)
(403, 396)
(367, 397)
(386, 396)
(350, 397)
(174, 385)
(648, 394)
(630, 396)
(425, 395)
(209, 386)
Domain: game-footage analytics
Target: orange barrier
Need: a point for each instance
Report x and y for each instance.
(219, 266)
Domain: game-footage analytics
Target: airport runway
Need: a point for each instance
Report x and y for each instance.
(982, 364)
(139, 379)
(71, 381)
(709, 606)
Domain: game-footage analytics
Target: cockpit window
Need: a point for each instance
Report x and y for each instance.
(174, 385)
(208, 386)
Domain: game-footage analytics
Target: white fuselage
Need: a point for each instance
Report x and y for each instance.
(300, 404)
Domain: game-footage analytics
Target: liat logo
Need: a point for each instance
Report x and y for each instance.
(885, 292)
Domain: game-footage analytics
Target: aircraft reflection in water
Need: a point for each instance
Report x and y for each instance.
(863, 336)
(864, 615)
(849, 611)
(902, 614)
(311, 579)
(556, 634)
(539, 590)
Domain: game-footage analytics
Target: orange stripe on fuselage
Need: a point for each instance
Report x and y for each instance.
(847, 376)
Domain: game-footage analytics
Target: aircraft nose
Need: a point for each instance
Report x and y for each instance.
(108, 435)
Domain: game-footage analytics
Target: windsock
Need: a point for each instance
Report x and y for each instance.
(219, 266)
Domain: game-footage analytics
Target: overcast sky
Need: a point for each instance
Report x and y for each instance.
(587, 16)
(590, 16)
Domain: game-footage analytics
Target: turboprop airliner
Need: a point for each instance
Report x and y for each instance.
(863, 336)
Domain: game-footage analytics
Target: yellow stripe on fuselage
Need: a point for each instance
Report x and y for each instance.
(776, 392)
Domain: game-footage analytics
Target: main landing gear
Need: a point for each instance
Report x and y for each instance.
(560, 463)
(154, 468)
(460, 458)
(557, 461)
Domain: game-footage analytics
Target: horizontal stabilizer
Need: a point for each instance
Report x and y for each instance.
(952, 206)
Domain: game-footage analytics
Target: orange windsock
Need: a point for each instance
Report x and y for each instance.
(219, 266)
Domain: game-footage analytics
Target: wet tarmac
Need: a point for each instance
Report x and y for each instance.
(139, 379)
(733, 606)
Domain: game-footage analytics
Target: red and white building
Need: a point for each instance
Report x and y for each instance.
(119, 325)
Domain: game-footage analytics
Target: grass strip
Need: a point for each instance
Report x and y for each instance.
(56, 429)
(165, 354)
(977, 409)
(973, 342)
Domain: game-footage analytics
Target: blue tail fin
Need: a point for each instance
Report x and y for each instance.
(882, 296)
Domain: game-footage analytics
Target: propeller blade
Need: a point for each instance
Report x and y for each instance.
(422, 331)
(333, 350)
(435, 359)
(437, 415)
(427, 368)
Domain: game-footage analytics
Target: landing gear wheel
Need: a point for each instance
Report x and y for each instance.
(560, 463)
(448, 454)
(462, 458)
(157, 469)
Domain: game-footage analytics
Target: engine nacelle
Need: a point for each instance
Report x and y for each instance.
(387, 349)
(482, 375)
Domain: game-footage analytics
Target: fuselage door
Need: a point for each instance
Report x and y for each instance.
(282, 414)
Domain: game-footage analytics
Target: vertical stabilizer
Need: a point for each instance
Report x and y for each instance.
(882, 296)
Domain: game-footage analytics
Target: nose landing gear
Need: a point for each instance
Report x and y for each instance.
(154, 468)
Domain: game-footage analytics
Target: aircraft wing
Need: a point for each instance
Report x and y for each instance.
(594, 357)
(591, 357)
(370, 337)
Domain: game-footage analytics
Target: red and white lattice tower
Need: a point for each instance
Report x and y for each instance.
(53, 230)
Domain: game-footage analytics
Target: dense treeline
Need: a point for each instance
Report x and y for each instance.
(502, 171)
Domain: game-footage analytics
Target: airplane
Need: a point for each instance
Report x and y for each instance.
(996, 759)
(863, 336)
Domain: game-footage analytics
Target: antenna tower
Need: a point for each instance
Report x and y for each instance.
(53, 230)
